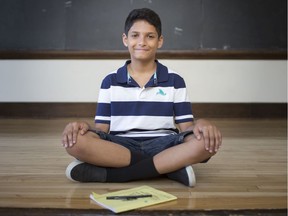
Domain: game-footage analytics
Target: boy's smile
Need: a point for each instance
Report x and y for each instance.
(142, 41)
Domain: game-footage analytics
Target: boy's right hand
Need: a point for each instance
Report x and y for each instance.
(70, 133)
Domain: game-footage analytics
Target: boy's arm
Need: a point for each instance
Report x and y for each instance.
(186, 126)
(102, 127)
(206, 130)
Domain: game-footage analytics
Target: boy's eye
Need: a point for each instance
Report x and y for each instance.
(151, 36)
(134, 35)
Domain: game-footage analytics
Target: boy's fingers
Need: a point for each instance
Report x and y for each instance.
(74, 134)
(214, 139)
(211, 143)
(210, 139)
(70, 133)
(197, 133)
(84, 129)
(207, 139)
(64, 141)
(66, 137)
(217, 139)
(211, 135)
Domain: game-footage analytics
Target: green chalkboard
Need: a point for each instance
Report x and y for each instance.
(96, 26)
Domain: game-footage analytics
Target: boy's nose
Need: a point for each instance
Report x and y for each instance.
(142, 41)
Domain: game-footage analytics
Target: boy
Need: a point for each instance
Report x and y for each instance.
(134, 136)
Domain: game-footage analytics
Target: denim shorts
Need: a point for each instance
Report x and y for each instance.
(149, 147)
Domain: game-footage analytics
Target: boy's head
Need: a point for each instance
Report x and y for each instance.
(143, 14)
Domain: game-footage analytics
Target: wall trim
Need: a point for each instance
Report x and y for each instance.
(200, 110)
(161, 54)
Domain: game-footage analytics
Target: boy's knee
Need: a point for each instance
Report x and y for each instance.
(198, 151)
(80, 147)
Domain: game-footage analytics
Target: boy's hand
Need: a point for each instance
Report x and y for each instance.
(212, 136)
(70, 133)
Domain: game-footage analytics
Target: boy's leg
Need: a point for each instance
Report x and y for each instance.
(185, 175)
(85, 172)
(191, 151)
(90, 148)
(95, 155)
(174, 158)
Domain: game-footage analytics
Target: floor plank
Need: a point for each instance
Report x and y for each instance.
(250, 171)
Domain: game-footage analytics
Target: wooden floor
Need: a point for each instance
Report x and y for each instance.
(250, 171)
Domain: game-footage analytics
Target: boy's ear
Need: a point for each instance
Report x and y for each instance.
(124, 39)
(160, 41)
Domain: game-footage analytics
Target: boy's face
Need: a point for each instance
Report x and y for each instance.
(142, 41)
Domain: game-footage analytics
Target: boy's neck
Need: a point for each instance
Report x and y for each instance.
(140, 67)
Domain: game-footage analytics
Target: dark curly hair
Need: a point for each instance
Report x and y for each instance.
(143, 14)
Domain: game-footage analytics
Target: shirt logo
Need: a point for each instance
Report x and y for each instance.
(161, 92)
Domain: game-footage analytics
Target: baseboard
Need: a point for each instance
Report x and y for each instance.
(200, 110)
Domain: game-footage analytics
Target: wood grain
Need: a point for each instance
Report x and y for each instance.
(250, 171)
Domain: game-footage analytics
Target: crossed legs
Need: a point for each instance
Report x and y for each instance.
(93, 150)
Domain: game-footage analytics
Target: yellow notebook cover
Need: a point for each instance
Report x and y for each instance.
(122, 205)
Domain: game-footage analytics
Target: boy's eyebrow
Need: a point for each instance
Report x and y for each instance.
(144, 32)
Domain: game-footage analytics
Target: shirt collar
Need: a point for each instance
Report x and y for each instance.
(161, 74)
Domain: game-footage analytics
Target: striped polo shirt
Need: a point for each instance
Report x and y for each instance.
(150, 111)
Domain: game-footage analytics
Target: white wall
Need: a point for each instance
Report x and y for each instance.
(207, 80)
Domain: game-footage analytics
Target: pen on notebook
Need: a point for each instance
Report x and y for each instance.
(127, 197)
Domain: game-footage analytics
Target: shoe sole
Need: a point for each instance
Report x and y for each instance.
(191, 176)
(70, 167)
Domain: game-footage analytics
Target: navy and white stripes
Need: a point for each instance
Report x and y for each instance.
(149, 111)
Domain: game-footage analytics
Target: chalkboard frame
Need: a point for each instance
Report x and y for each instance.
(166, 54)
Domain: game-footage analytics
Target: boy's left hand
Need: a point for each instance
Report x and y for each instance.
(211, 134)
